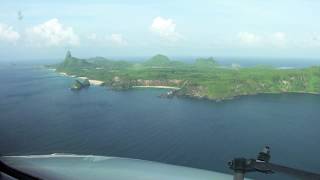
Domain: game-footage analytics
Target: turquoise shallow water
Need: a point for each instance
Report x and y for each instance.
(40, 115)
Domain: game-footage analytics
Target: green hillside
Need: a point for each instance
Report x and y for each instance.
(202, 79)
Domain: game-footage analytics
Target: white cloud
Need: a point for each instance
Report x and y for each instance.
(92, 36)
(311, 40)
(118, 39)
(249, 38)
(277, 39)
(52, 33)
(279, 36)
(165, 28)
(7, 34)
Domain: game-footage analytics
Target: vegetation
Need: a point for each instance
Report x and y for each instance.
(202, 79)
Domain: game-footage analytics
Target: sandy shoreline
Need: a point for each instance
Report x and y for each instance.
(63, 74)
(92, 81)
(100, 83)
(158, 87)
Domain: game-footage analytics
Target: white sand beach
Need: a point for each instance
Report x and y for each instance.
(93, 81)
(96, 82)
(64, 74)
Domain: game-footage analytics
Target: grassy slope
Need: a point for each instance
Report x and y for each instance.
(204, 78)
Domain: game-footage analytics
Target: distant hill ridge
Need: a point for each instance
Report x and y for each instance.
(202, 79)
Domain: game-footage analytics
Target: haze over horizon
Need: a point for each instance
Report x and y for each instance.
(245, 28)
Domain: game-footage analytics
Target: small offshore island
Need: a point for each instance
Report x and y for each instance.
(202, 79)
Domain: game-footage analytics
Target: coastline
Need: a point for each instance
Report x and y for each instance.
(264, 93)
(91, 81)
(100, 83)
(63, 74)
(157, 87)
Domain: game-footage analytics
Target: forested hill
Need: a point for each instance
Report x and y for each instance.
(202, 79)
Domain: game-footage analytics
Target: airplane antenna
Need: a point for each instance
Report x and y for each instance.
(241, 166)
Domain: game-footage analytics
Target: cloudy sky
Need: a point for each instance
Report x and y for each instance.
(247, 28)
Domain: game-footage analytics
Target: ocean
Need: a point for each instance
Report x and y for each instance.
(40, 115)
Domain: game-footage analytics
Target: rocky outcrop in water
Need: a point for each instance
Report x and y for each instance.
(78, 85)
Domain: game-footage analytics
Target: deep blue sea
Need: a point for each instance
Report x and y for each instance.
(40, 115)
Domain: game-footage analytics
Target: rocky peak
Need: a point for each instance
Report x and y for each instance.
(68, 55)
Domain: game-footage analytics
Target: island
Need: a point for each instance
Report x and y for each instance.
(203, 78)
(78, 85)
